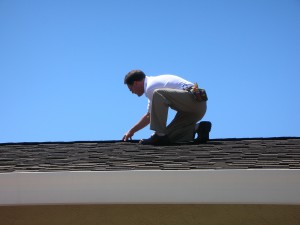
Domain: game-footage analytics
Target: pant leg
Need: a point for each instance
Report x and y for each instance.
(189, 111)
(182, 127)
(159, 112)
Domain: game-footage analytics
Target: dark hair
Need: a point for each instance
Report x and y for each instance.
(134, 75)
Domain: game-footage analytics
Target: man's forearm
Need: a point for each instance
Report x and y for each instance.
(144, 121)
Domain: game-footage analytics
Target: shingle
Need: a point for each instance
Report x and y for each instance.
(115, 155)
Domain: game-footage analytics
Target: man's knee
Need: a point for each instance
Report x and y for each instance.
(158, 92)
(160, 95)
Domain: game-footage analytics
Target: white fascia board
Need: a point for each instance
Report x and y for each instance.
(274, 186)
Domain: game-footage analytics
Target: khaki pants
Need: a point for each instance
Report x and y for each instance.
(189, 112)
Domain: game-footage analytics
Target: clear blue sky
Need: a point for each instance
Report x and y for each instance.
(62, 64)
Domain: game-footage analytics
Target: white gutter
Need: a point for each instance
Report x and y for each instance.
(274, 186)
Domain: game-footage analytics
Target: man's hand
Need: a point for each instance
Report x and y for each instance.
(128, 135)
(144, 121)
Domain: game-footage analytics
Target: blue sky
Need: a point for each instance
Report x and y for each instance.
(62, 65)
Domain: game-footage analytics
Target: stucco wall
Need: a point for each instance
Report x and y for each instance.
(193, 214)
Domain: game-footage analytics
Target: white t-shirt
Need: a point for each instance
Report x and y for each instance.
(163, 81)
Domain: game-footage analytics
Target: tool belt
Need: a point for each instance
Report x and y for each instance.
(199, 93)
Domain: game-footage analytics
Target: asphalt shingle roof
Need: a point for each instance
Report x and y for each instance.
(242, 153)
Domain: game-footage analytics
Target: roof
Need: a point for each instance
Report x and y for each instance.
(240, 153)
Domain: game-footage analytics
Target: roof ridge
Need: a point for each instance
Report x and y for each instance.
(136, 141)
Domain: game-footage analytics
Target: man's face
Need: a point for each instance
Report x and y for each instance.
(136, 88)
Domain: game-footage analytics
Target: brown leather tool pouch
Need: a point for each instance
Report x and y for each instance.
(199, 93)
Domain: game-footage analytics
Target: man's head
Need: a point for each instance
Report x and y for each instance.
(135, 81)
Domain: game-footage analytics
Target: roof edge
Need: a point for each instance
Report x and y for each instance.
(136, 141)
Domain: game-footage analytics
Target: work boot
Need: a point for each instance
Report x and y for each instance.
(155, 140)
(202, 131)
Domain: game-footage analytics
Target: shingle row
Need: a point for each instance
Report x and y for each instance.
(111, 156)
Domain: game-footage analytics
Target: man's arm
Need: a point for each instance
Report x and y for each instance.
(144, 121)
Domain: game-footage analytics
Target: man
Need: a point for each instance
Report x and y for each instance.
(166, 91)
